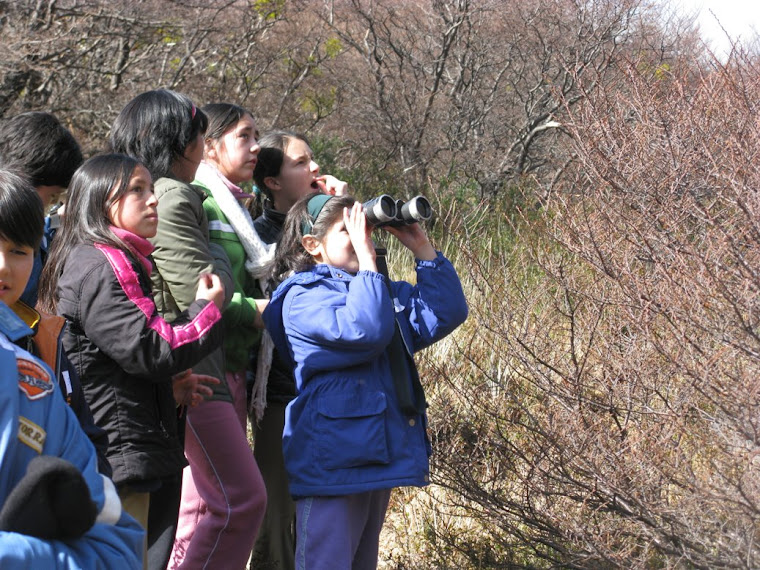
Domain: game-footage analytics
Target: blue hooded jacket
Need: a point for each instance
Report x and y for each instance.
(345, 431)
(34, 421)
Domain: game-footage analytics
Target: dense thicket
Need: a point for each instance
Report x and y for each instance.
(608, 409)
(463, 95)
(594, 172)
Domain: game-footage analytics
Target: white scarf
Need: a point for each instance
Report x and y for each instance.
(258, 254)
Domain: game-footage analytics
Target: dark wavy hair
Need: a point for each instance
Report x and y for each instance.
(22, 216)
(271, 156)
(290, 254)
(96, 185)
(39, 147)
(156, 128)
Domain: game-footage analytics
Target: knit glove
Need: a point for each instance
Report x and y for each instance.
(51, 502)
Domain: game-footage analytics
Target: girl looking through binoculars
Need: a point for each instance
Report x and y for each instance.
(348, 439)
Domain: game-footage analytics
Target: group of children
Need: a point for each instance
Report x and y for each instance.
(177, 314)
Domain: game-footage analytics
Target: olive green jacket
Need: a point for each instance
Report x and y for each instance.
(183, 252)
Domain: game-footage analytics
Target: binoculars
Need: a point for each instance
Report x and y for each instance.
(385, 211)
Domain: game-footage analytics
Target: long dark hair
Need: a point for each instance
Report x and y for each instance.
(86, 220)
(156, 128)
(290, 254)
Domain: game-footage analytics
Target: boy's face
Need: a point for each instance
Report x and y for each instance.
(16, 262)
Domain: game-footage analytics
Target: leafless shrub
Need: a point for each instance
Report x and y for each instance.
(423, 95)
(605, 412)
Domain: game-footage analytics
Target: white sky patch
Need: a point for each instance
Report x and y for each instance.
(739, 18)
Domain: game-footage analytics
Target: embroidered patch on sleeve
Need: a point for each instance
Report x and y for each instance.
(33, 379)
(29, 433)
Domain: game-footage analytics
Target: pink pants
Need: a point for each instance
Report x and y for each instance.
(223, 494)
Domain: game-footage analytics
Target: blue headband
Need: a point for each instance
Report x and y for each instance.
(313, 208)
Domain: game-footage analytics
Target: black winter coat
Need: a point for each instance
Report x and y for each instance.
(126, 354)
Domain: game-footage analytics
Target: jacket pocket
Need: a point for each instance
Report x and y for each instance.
(351, 430)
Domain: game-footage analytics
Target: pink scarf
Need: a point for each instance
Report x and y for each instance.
(140, 246)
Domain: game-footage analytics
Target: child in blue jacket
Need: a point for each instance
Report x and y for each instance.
(350, 434)
(45, 528)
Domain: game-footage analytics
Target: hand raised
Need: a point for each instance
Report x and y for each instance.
(210, 287)
(331, 185)
(413, 237)
(360, 233)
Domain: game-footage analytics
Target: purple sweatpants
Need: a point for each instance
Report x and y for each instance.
(223, 494)
(340, 533)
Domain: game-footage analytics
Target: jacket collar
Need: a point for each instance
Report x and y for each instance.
(325, 270)
(140, 246)
(27, 314)
(274, 217)
(165, 182)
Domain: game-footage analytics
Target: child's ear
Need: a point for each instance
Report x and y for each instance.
(272, 183)
(310, 244)
(209, 149)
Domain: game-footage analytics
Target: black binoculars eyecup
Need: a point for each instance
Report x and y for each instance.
(385, 211)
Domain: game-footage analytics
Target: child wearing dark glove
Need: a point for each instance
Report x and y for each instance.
(51, 502)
